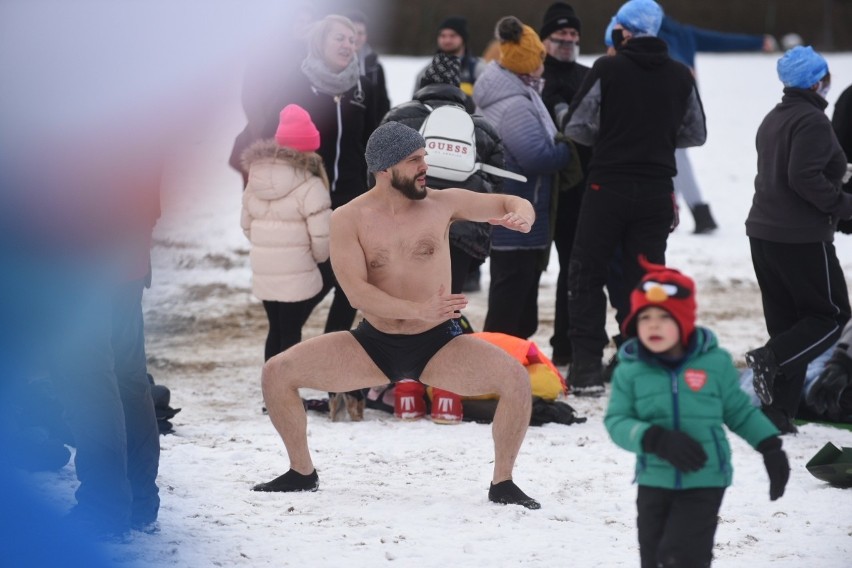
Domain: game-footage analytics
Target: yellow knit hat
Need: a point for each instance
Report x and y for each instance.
(521, 51)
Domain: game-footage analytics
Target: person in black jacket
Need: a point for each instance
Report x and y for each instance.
(634, 109)
(841, 121)
(470, 242)
(369, 62)
(452, 40)
(341, 104)
(797, 203)
(267, 77)
(560, 34)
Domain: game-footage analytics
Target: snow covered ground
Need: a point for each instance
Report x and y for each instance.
(415, 494)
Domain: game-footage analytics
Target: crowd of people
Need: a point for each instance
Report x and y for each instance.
(594, 159)
(338, 195)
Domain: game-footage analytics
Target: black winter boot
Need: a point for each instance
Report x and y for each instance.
(704, 222)
(780, 419)
(762, 362)
(585, 376)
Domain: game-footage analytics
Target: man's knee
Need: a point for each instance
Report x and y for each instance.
(274, 374)
(516, 384)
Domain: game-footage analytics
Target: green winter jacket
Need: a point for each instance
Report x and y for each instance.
(697, 398)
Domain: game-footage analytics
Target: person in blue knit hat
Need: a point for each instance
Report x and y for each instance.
(633, 109)
(640, 17)
(800, 168)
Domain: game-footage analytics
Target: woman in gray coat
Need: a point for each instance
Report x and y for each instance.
(508, 94)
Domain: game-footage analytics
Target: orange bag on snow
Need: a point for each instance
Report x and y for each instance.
(545, 379)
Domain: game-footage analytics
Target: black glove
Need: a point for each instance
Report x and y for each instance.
(777, 466)
(824, 396)
(677, 448)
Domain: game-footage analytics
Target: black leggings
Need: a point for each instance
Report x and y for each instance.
(461, 264)
(285, 324)
(341, 314)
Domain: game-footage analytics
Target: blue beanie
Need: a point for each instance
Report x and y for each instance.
(640, 17)
(389, 144)
(801, 67)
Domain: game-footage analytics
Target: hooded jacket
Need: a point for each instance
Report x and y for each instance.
(286, 212)
(800, 165)
(529, 148)
(473, 238)
(635, 108)
(698, 398)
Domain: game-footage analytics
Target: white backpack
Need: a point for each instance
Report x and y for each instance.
(451, 146)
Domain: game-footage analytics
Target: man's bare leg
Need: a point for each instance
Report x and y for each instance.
(334, 362)
(469, 366)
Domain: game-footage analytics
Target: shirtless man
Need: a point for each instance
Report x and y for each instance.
(390, 253)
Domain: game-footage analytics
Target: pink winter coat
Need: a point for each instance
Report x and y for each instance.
(286, 212)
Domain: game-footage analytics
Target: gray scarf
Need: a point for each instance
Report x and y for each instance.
(330, 83)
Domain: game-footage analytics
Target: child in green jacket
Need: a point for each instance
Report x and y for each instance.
(672, 391)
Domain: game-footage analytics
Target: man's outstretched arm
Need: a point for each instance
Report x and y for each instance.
(350, 269)
(508, 211)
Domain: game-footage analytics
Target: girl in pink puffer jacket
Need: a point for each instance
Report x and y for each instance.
(285, 215)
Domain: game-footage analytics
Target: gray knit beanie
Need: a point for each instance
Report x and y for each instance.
(389, 144)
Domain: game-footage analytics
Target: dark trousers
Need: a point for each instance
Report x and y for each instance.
(286, 320)
(341, 314)
(634, 215)
(805, 304)
(677, 527)
(513, 294)
(101, 373)
(567, 217)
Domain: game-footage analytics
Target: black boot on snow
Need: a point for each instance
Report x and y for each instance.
(704, 222)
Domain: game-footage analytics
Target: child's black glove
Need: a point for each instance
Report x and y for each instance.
(679, 449)
(776, 464)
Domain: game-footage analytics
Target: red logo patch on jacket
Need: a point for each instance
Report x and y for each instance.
(695, 379)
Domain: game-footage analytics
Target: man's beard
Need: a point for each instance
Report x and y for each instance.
(408, 186)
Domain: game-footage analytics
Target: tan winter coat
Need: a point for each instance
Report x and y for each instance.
(286, 211)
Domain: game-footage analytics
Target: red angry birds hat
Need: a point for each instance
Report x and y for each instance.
(667, 289)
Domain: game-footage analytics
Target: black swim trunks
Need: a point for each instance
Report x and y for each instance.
(403, 356)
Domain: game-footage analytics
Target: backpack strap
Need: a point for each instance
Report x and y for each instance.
(500, 172)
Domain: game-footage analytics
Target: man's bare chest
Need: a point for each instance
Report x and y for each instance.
(403, 241)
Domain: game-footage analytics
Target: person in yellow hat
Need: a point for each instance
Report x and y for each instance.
(509, 95)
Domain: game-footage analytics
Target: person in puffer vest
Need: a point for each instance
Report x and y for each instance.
(673, 390)
(508, 94)
(286, 212)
